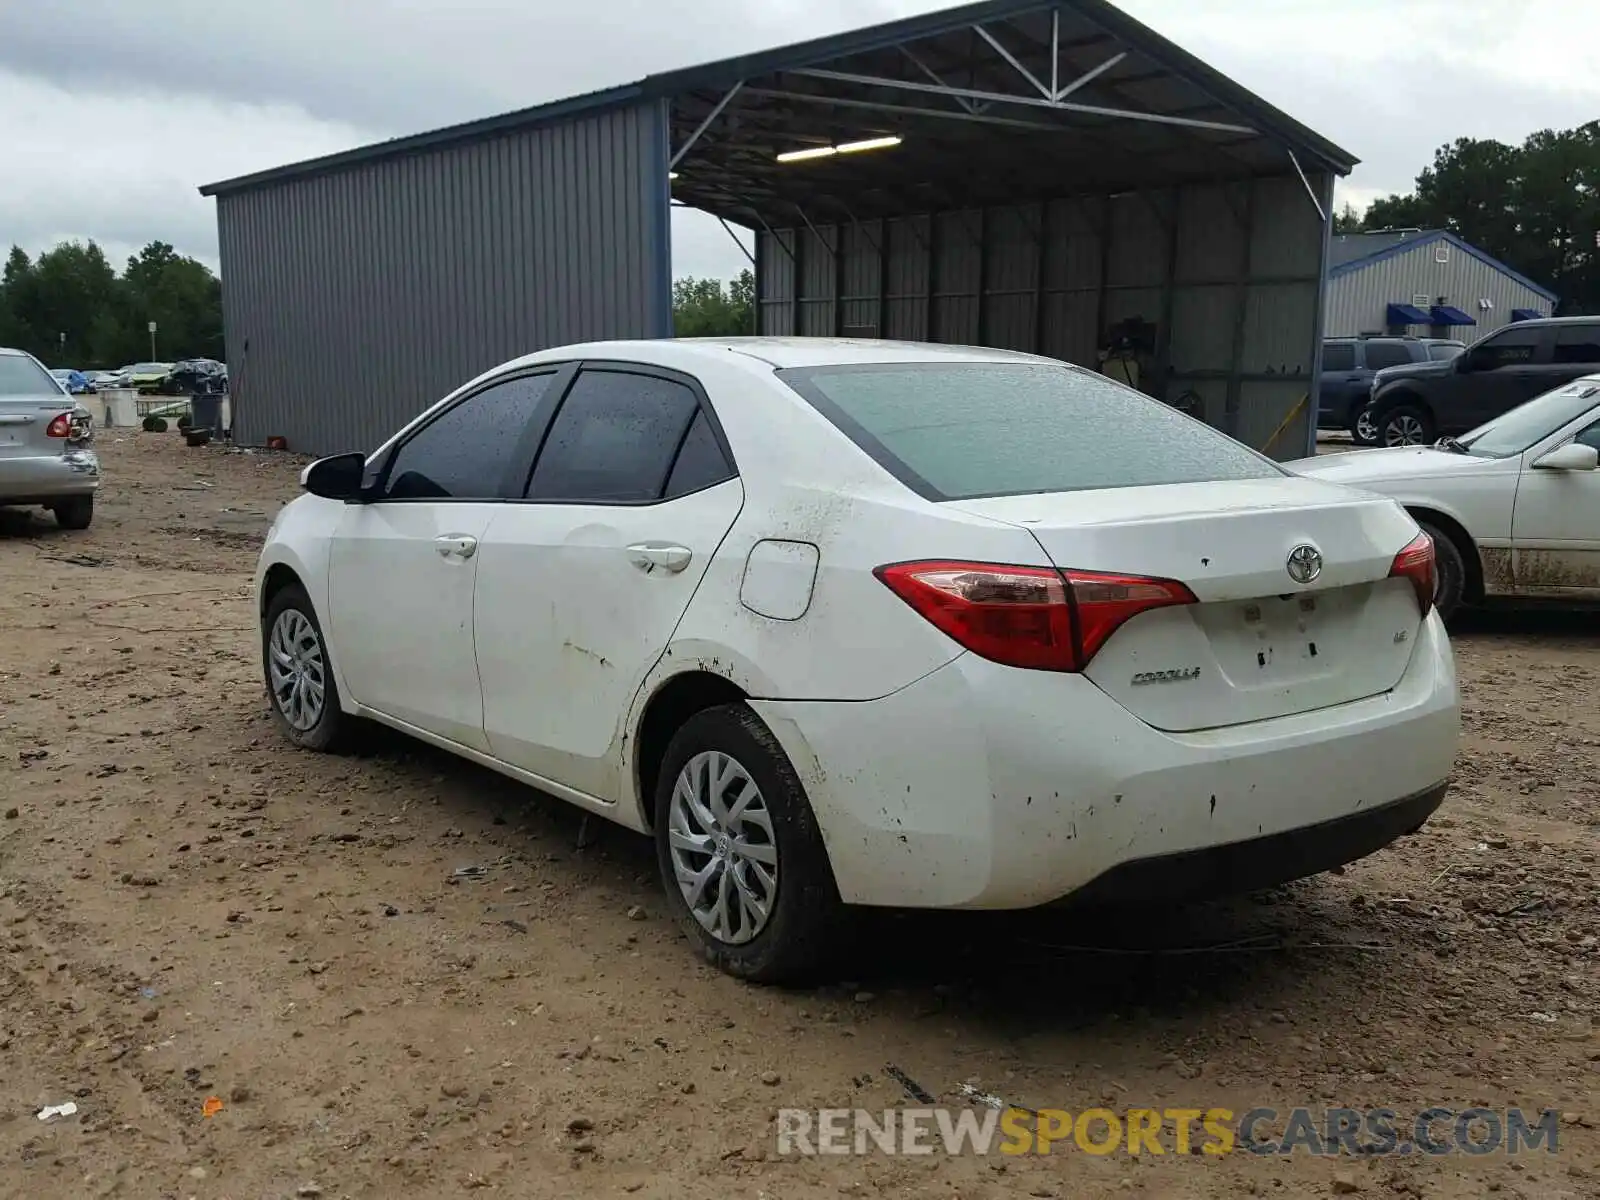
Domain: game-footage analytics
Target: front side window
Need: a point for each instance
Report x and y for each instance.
(1590, 436)
(960, 431)
(614, 440)
(465, 452)
(1577, 344)
(1387, 354)
(1509, 348)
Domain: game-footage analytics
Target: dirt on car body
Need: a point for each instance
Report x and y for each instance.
(260, 972)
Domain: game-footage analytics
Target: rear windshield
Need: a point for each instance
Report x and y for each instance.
(960, 431)
(21, 376)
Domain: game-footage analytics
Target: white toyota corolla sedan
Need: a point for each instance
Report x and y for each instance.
(866, 623)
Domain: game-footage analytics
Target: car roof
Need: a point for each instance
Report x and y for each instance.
(783, 352)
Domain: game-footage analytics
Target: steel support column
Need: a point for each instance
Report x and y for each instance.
(1319, 311)
(982, 239)
(883, 279)
(1241, 301)
(1106, 225)
(1169, 290)
(796, 305)
(1041, 269)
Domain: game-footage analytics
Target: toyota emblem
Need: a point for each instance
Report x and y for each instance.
(1305, 564)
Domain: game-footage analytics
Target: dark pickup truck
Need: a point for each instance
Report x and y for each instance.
(1417, 404)
(1348, 365)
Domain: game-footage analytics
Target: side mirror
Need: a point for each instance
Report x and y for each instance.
(336, 478)
(1574, 456)
(1463, 363)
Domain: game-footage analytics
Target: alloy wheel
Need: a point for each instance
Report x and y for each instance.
(297, 669)
(1403, 430)
(724, 855)
(1365, 429)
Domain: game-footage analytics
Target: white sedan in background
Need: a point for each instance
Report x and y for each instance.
(876, 624)
(1513, 507)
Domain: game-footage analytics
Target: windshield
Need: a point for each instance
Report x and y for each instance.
(21, 376)
(149, 368)
(1512, 434)
(963, 430)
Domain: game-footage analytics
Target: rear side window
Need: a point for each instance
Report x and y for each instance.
(21, 376)
(466, 452)
(1443, 351)
(1338, 356)
(1387, 354)
(700, 462)
(959, 431)
(1577, 344)
(614, 439)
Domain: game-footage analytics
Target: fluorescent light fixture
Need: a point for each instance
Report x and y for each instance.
(878, 143)
(672, 174)
(813, 152)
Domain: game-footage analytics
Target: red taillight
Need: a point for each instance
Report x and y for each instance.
(1415, 563)
(59, 427)
(1035, 617)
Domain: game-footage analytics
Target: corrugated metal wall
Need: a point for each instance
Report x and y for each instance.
(1229, 273)
(1358, 302)
(366, 294)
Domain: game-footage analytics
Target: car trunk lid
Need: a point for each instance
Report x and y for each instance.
(1259, 643)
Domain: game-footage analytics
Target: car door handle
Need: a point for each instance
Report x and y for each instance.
(456, 545)
(650, 556)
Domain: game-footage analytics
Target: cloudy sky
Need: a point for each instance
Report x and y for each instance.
(113, 111)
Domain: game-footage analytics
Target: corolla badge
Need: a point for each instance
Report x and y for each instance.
(1305, 564)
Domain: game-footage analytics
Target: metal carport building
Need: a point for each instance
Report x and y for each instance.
(1060, 168)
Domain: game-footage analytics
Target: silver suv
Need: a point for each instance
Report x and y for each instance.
(46, 452)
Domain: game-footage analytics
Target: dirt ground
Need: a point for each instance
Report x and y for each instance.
(190, 910)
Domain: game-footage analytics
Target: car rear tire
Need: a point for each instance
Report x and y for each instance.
(1405, 425)
(742, 860)
(298, 673)
(1450, 571)
(74, 513)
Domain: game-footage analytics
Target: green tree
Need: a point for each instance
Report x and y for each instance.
(71, 289)
(180, 295)
(711, 308)
(1536, 206)
(1347, 219)
(16, 287)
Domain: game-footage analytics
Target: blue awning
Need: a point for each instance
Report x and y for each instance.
(1526, 314)
(1406, 314)
(1444, 314)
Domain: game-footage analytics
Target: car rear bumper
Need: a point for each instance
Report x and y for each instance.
(41, 478)
(980, 786)
(1263, 861)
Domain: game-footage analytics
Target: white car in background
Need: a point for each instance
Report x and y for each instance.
(874, 624)
(1513, 507)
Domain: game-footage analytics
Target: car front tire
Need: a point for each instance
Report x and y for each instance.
(1406, 425)
(740, 854)
(74, 513)
(299, 677)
